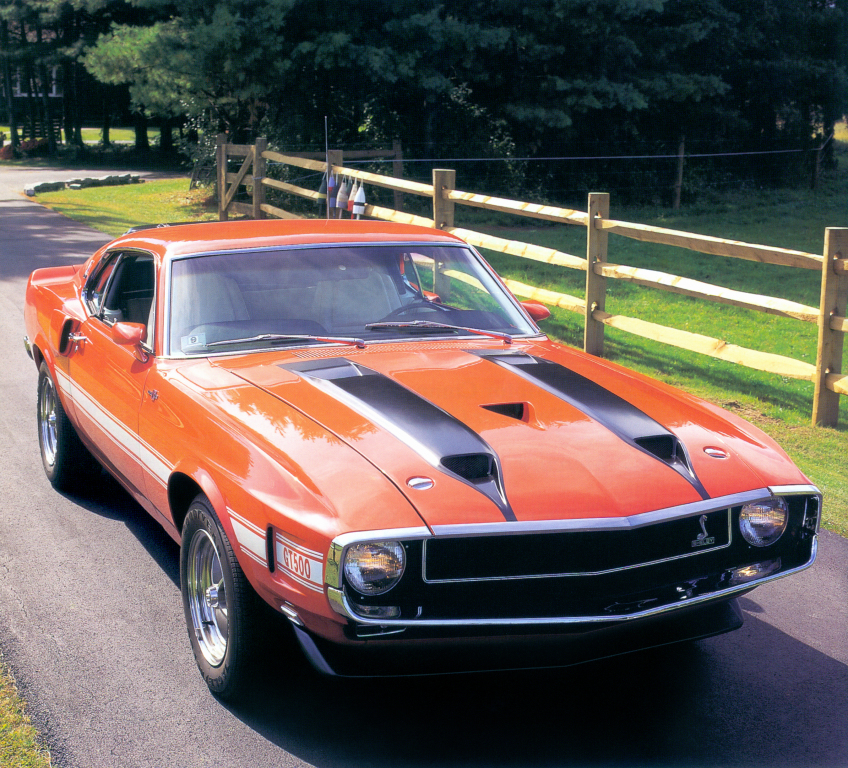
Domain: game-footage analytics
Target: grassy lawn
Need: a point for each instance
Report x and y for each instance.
(19, 743)
(114, 209)
(793, 219)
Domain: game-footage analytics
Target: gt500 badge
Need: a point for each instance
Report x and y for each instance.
(703, 539)
(303, 565)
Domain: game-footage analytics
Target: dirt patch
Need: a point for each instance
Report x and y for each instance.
(750, 413)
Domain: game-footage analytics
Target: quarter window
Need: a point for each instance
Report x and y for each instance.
(95, 288)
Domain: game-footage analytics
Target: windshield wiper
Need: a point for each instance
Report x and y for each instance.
(426, 324)
(354, 342)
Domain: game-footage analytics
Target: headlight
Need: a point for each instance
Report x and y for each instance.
(374, 567)
(763, 522)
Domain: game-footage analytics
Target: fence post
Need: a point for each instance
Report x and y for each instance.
(834, 298)
(258, 174)
(221, 169)
(397, 171)
(596, 285)
(335, 157)
(443, 180)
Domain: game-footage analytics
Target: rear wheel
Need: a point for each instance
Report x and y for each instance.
(221, 608)
(67, 462)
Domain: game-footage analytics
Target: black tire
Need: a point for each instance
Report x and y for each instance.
(221, 608)
(67, 463)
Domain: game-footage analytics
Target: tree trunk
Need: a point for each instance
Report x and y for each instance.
(14, 139)
(67, 102)
(107, 119)
(142, 143)
(28, 79)
(75, 108)
(45, 95)
(166, 137)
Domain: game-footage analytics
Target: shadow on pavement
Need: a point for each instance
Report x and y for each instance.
(32, 236)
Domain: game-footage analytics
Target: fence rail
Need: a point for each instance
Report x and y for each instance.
(831, 316)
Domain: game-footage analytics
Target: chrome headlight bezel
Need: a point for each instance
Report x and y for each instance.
(762, 523)
(373, 568)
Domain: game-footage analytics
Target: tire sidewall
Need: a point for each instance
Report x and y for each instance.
(224, 678)
(74, 466)
(57, 470)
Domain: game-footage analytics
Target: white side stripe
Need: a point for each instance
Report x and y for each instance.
(251, 542)
(122, 436)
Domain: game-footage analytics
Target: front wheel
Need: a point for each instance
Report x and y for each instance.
(220, 605)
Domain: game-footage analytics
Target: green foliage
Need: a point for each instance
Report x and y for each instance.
(493, 79)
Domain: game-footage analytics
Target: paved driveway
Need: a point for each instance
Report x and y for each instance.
(91, 622)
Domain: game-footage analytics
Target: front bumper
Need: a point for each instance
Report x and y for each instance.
(425, 651)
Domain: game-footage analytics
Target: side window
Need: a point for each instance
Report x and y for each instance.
(123, 291)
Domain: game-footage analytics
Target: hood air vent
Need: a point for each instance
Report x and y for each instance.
(512, 410)
(666, 448)
(470, 466)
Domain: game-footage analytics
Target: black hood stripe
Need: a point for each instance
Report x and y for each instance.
(431, 432)
(620, 417)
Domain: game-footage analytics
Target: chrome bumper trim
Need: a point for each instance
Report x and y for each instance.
(28, 347)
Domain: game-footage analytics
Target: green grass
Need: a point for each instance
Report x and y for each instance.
(114, 209)
(19, 742)
(793, 219)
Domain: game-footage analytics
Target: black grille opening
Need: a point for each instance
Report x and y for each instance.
(470, 466)
(468, 558)
(512, 410)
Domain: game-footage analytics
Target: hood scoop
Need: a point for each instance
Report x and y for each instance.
(666, 448)
(473, 467)
(436, 436)
(517, 411)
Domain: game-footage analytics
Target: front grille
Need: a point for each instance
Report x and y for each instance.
(567, 553)
(567, 575)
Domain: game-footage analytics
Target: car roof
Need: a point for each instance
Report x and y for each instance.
(187, 239)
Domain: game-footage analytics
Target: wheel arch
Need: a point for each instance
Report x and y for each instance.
(38, 357)
(183, 488)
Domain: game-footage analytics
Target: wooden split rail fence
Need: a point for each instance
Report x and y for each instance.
(830, 316)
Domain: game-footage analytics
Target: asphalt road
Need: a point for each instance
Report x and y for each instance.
(91, 624)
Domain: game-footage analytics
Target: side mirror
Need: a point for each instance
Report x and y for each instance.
(536, 310)
(129, 333)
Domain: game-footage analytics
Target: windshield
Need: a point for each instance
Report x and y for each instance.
(296, 296)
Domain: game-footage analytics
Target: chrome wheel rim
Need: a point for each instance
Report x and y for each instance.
(47, 421)
(207, 597)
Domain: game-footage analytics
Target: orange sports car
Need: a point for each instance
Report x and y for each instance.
(359, 425)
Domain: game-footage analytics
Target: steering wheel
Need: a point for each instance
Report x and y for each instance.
(414, 306)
